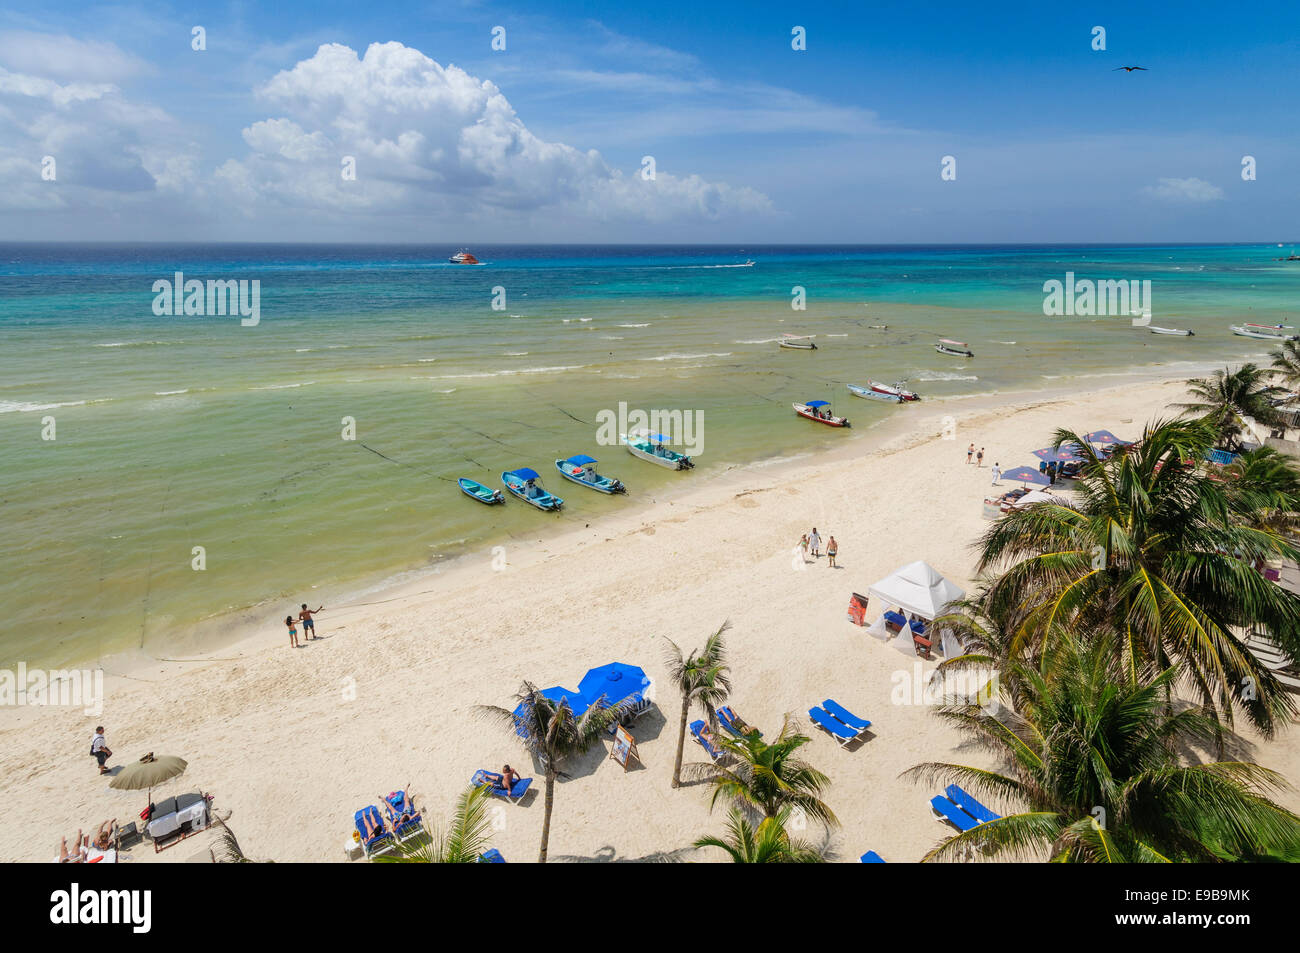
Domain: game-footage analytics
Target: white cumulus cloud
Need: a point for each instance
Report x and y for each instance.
(1184, 190)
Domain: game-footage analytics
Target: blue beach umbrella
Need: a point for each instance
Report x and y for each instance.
(1065, 454)
(1026, 475)
(1104, 438)
(617, 681)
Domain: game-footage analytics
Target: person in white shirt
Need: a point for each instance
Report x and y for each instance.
(99, 749)
(815, 541)
(997, 474)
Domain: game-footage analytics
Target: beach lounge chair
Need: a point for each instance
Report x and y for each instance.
(968, 804)
(894, 621)
(945, 810)
(483, 777)
(382, 840)
(843, 714)
(871, 857)
(697, 729)
(836, 729)
(395, 805)
(492, 856)
(728, 718)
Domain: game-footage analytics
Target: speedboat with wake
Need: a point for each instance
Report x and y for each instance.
(526, 484)
(581, 469)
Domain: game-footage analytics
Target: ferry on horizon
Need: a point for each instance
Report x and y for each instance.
(463, 257)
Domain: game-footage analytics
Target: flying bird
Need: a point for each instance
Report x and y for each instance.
(1127, 68)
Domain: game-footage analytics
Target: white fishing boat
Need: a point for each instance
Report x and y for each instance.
(798, 342)
(869, 393)
(1179, 331)
(895, 388)
(652, 448)
(955, 348)
(1256, 331)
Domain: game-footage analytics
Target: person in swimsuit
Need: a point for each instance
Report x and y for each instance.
(308, 626)
(371, 828)
(803, 544)
(509, 777)
(293, 631)
(832, 548)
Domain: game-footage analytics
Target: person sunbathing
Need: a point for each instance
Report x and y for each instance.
(372, 829)
(706, 736)
(76, 855)
(509, 778)
(104, 839)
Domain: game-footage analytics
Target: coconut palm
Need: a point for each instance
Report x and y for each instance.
(700, 678)
(1095, 776)
(552, 734)
(762, 779)
(1263, 489)
(1227, 396)
(1151, 550)
(767, 843)
(462, 841)
(1286, 363)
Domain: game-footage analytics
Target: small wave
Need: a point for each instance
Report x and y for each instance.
(684, 357)
(634, 325)
(450, 390)
(758, 341)
(131, 343)
(302, 350)
(835, 335)
(508, 373)
(610, 337)
(944, 376)
(516, 353)
(426, 360)
(170, 393)
(18, 406)
(282, 386)
(579, 320)
(1004, 342)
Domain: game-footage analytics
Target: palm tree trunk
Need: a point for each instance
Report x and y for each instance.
(681, 740)
(546, 817)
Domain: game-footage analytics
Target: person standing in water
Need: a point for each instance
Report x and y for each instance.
(815, 542)
(308, 626)
(832, 548)
(293, 631)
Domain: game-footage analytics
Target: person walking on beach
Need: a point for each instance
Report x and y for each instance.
(308, 626)
(803, 544)
(997, 473)
(832, 548)
(99, 749)
(293, 631)
(815, 542)
(970, 452)
(979, 458)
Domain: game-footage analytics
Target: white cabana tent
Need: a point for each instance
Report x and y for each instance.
(917, 589)
(1038, 496)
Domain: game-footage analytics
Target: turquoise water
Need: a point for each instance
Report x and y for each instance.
(174, 432)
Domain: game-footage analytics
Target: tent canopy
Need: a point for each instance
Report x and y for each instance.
(1038, 496)
(919, 589)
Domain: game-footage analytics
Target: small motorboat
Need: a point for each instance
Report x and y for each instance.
(477, 491)
(870, 393)
(525, 484)
(651, 448)
(812, 410)
(896, 388)
(878, 327)
(1179, 331)
(581, 469)
(798, 343)
(1256, 331)
(463, 257)
(955, 348)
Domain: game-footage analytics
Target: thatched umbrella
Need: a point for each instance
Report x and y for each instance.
(147, 772)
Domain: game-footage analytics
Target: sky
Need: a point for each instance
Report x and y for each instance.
(639, 122)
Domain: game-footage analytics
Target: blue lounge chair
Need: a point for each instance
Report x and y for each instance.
(895, 619)
(382, 840)
(836, 729)
(968, 804)
(843, 714)
(945, 810)
(492, 856)
(485, 778)
(727, 718)
(697, 729)
(397, 804)
(871, 857)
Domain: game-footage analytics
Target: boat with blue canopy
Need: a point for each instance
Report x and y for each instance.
(819, 410)
(526, 484)
(581, 469)
(652, 447)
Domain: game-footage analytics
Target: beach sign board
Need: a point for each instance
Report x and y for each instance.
(624, 747)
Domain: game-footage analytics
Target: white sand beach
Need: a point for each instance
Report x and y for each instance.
(292, 742)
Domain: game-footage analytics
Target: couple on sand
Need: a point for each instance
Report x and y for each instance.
(815, 541)
(308, 626)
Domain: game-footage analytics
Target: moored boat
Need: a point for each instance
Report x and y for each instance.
(812, 410)
(870, 393)
(581, 469)
(1257, 331)
(895, 388)
(798, 342)
(477, 491)
(652, 448)
(955, 348)
(525, 484)
(1179, 331)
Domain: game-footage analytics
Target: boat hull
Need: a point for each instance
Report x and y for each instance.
(676, 461)
(869, 394)
(798, 347)
(546, 501)
(1174, 331)
(606, 485)
(952, 351)
(477, 491)
(880, 388)
(806, 412)
(1260, 335)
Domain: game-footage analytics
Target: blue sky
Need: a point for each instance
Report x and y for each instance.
(752, 141)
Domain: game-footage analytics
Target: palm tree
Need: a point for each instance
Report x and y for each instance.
(1263, 489)
(1150, 550)
(552, 734)
(462, 841)
(1286, 363)
(763, 778)
(768, 843)
(1227, 396)
(1095, 775)
(700, 678)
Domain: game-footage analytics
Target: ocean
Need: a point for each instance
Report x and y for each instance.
(163, 474)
